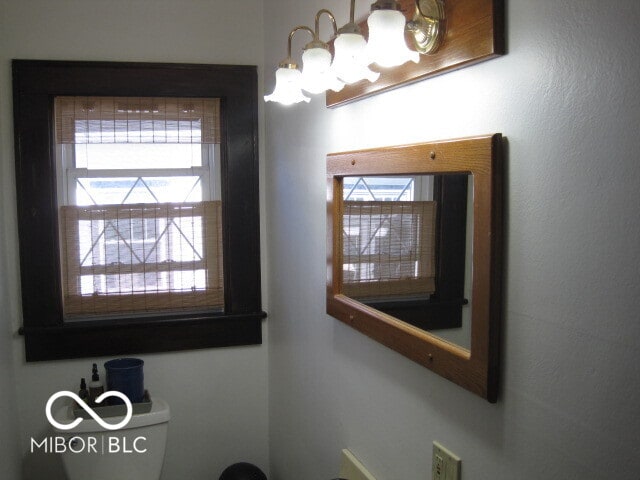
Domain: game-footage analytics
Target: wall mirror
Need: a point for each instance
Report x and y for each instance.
(414, 253)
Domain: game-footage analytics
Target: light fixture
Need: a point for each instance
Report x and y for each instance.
(288, 89)
(318, 75)
(350, 62)
(386, 48)
(387, 26)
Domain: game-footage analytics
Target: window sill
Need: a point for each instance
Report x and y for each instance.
(82, 339)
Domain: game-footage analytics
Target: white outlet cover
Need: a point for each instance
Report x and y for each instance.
(445, 464)
(352, 469)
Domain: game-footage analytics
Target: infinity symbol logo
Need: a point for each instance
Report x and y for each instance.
(89, 410)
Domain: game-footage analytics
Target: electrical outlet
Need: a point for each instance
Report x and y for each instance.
(445, 464)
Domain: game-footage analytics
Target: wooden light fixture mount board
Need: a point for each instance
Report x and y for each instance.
(474, 33)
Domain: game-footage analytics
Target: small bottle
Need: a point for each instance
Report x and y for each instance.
(96, 388)
(83, 393)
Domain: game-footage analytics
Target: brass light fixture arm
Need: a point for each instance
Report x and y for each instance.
(331, 17)
(317, 43)
(352, 26)
(289, 62)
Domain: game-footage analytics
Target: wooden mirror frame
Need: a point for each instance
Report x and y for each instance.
(477, 369)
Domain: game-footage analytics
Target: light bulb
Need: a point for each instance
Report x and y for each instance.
(386, 45)
(317, 74)
(350, 62)
(287, 90)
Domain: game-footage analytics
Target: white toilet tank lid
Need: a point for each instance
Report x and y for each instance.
(159, 413)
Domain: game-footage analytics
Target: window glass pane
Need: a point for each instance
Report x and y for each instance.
(130, 190)
(114, 156)
(137, 240)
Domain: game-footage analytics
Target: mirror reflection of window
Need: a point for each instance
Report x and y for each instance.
(406, 244)
(388, 237)
(386, 189)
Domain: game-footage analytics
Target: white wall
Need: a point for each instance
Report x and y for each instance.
(10, 457)
(218, 397)
(10, 453)
(566, 98)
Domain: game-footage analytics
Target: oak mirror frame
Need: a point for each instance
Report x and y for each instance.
(475, 369)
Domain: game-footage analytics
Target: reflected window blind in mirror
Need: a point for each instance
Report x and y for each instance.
(388, 248)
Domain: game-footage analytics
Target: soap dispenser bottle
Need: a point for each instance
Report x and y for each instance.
(96, 388)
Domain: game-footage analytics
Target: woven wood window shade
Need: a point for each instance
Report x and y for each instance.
(141, 258)
(388, 248)
(137, 120)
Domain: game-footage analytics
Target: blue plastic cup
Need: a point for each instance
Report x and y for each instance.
(125, 375)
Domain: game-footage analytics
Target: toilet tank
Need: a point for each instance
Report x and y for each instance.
(135, 452)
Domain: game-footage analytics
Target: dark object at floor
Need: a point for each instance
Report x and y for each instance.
(242, 471)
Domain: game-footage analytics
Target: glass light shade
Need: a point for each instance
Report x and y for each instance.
(387, 46)
(317, 74)
(287, 91)
(350, 62)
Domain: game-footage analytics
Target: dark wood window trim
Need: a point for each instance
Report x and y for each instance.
(47, 336)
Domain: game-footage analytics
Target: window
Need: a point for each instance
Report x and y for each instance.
(140, 211)
(138, 207)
